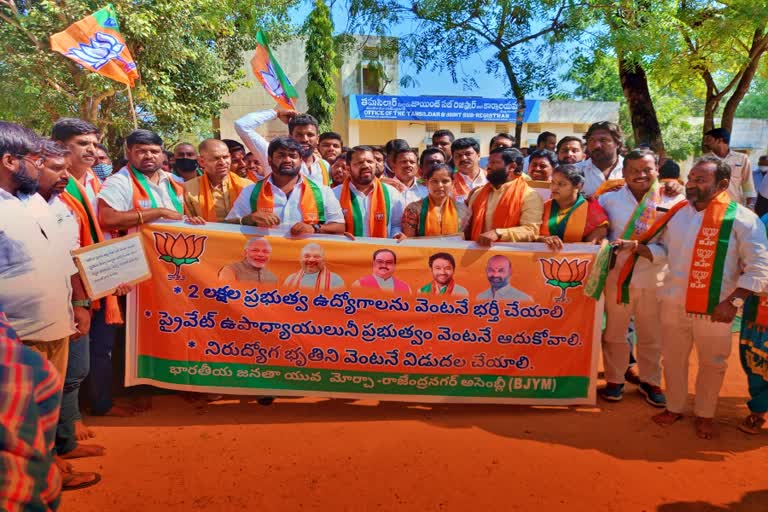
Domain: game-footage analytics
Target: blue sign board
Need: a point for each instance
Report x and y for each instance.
(440, 108)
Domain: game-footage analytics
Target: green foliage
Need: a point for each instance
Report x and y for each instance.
(189, 55)
(322, 65)
(755, 103)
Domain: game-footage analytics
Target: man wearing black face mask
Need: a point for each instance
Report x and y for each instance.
(185, 162)
(505, 209)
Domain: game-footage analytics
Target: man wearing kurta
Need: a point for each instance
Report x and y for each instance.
(212, 195)
(632, 211)
(718, 254)
(506, 209)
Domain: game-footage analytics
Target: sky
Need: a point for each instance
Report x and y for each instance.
(428, 82)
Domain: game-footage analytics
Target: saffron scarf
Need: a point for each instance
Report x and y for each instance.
(572, 226)
(378, 220)
(705, 277)
(606, 186)
(76, 199)
(322, 282)
(205, 196)
(507, 212)
(435, 289)
(311, 200)
(434, 224)
(460, 187)
(642, 218)
(326, 172)
(142, 191)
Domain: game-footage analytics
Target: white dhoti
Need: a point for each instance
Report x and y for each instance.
(644, 306)
(680, 333)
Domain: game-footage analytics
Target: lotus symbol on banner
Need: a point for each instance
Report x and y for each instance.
(564, 274)
(179, 250)
(101, 49)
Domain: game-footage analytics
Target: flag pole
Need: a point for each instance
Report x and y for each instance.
(133, 109)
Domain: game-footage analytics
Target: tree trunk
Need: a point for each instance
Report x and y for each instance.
(759, 46)
(518, 92)
(645, 124)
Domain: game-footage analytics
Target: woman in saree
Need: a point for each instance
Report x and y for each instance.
(569, 217)
(438, 214)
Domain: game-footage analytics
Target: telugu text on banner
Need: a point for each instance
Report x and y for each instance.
(430, 320)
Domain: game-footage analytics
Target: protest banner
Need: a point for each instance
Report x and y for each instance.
(426, 320)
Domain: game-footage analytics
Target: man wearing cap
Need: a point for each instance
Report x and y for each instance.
(742, 188)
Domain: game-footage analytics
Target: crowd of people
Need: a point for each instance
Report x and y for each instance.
(691, 256)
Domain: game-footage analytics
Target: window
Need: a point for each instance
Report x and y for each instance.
(502, 128)
(371, 80)
(467, 128)
(432, 127)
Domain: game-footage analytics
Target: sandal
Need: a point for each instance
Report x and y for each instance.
(74, 481)
(752, 424)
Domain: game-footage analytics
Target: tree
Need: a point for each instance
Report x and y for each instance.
(520, 33)
(189, 55)
(723, 45)
(322, 65)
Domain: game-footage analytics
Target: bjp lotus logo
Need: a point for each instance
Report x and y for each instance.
(179, 250)
(564, 274)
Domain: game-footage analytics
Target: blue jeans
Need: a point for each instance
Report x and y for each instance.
(77, 371)
(102, 341)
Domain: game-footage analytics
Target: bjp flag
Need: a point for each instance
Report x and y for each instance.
(96, 44)
(270, 74)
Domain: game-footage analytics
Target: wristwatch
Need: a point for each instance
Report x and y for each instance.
(736, 302)
(85, 303)
(316, 227)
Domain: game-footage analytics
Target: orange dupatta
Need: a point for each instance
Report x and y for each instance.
(142, 192)
(76, 199)
(378, 219)
(507, 212)
(575, 221)
(430, 224)
(206, 203)
(311, 200)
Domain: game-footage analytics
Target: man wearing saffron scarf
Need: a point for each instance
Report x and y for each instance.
(383, 277)
(443, 267)
(466, 158)
(632, 210)
(286, 198)
(302, 128)
(81, 139)
(718, 254)
(314, 274)
(141, 191)
(371, 208)
(505, 209)
(212, 195)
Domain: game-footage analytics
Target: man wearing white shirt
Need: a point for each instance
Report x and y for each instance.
(406, 168)
(604, 142)
(359, 198)
(702, 295)
(637, 196)
(303, 128)
(742, 187)
(287, 198)
(466, 159)
(141, 191)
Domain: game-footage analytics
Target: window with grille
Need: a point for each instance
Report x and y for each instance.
(502, 128)
(467, 128)
(432, 127)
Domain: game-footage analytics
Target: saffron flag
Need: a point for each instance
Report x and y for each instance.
(96, 44)
(271, 75)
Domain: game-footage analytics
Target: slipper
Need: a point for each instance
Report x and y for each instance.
(752, 424)
(69, 477)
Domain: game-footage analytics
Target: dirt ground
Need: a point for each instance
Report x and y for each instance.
(315, 454)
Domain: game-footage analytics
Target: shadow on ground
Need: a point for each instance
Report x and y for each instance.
(754, 501)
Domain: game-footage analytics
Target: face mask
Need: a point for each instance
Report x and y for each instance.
(102, 170)
(185, 164)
